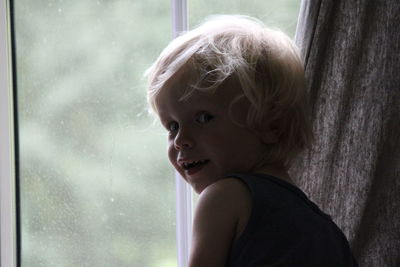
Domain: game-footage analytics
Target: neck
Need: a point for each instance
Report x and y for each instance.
(278, 172)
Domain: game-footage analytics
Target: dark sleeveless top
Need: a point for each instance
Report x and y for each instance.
(286, 229)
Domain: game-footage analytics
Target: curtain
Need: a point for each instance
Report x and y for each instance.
(351, 50)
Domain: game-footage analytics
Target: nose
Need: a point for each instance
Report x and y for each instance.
(183, 140)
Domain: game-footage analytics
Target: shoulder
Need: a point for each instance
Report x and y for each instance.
(227, 201)
(216, 221)
(226, 191)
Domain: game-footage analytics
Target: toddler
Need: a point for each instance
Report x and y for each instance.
(231, 94)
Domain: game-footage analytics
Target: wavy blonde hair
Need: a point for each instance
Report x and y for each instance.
(264, 61)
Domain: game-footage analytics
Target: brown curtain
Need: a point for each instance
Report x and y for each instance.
(352, 59)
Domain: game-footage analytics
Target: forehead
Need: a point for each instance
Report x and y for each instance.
(178, 93)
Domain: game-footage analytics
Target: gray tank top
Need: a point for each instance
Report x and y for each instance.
(286, 229)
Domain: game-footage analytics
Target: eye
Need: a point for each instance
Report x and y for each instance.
(172, 126)
(204, 117)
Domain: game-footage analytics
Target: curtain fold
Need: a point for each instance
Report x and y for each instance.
(351, 51)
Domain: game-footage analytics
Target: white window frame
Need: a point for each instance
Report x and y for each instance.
(8, 243)
(184, 201)
(7, 158)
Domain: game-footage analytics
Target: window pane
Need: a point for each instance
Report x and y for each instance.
(278, 14)
(96, 188)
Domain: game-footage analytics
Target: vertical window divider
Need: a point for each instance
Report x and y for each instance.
(180, 21)
(7, 159)
(183, 220)
(183, 191)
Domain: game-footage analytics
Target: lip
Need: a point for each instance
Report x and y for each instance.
(183, 161)
(193, 170)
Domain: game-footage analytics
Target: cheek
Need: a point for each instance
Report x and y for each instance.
(172, 153)
(222, 147)
(241, 145)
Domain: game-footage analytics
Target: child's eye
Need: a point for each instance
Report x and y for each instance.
(204, 117)
(172, 126)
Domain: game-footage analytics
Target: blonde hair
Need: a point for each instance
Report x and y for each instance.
(264, 61)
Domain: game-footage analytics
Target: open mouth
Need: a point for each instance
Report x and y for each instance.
(193, 164)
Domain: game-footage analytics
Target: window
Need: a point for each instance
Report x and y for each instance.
(94, 185)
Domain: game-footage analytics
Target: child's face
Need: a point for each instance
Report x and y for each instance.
(204, 144)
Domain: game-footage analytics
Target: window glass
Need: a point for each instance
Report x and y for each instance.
(96, 188)
(280, 14)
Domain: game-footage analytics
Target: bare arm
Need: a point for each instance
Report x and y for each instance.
(215, 223)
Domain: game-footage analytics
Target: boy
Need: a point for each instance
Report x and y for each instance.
(231, 94)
